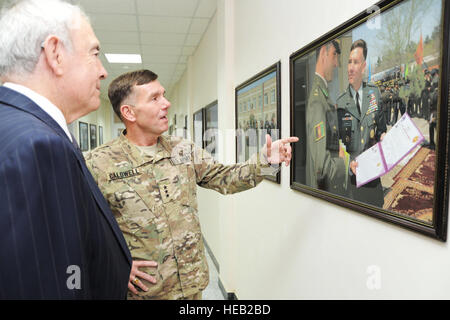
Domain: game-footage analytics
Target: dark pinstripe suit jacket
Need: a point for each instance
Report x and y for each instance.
(58, 237)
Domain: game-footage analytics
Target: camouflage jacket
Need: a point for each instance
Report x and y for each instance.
(154, 201)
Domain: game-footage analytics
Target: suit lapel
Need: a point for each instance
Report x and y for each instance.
(19, 101)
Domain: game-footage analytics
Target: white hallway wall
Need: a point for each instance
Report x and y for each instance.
(273, 242)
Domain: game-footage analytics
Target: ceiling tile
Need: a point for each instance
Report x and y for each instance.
(164, 24)
(161, 67)
(206, 8)
(193, 39)
(183, 59)
(117, 37)
(160, 59)
(180, 67)
(161, 50)
(188, 50)
(169, 39)
(108, 6)
(172, 8)
(199, 25)
(120, 48)
(109, 22)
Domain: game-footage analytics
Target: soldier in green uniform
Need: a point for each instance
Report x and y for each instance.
(149, 181)
(362, 121)
(325, 164)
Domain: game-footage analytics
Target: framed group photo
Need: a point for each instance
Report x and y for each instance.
(258, 112)
(369, 102)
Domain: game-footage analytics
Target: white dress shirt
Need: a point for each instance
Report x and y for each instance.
(43, 103)
(360, 94)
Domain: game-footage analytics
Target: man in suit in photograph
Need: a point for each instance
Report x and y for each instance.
(59, 239)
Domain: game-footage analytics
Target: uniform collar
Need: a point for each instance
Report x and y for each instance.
(323, 79)
(322, 84)
(138, 157)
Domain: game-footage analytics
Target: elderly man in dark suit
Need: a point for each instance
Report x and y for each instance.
(59, 240)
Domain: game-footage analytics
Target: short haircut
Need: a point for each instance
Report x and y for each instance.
(24, 27)
(360, 44)
(122, 87)
(328, 44)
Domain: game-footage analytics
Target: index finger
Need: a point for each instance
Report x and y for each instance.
(145, 263)
(289, 140)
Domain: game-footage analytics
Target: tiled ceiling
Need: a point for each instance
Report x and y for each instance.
(164, 32)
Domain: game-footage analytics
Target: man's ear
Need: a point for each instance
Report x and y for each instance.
(54, 52)
(127, 112)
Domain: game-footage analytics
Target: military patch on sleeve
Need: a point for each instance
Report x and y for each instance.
(319, 131)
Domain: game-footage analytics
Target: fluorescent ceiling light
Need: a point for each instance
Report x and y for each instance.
(123, 58)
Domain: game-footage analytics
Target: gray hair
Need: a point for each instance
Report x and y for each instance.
(24, 26)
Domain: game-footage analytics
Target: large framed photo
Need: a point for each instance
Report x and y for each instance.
(369, 102)
(93, 135)
(83, 135)
(258, 112)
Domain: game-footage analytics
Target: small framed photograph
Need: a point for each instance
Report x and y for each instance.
(258, 112)
(210, 136)
(100, 135)
(198, 128)
(83, 134)
(93, 135)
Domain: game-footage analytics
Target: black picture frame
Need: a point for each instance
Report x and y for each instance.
(258, 111)
(100, 135)
(83, 135)
(211, 127)
(198, 125)
(93, 135)
(431, 218)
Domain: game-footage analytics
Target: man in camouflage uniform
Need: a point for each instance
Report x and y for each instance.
(149, 181)
(325, 165)
(360, 108)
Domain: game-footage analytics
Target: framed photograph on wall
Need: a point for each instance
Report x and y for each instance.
(258, 112)
(93, 135)
(100, 135)
(369, 102)
(198, 128)
(210, 136)
(83, 135)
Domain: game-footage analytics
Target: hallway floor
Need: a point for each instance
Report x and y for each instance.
(212, 291)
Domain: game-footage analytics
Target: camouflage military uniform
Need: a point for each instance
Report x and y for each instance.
(154, 200)
(324, 169)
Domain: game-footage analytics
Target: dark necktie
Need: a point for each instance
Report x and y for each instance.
(357, 103)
